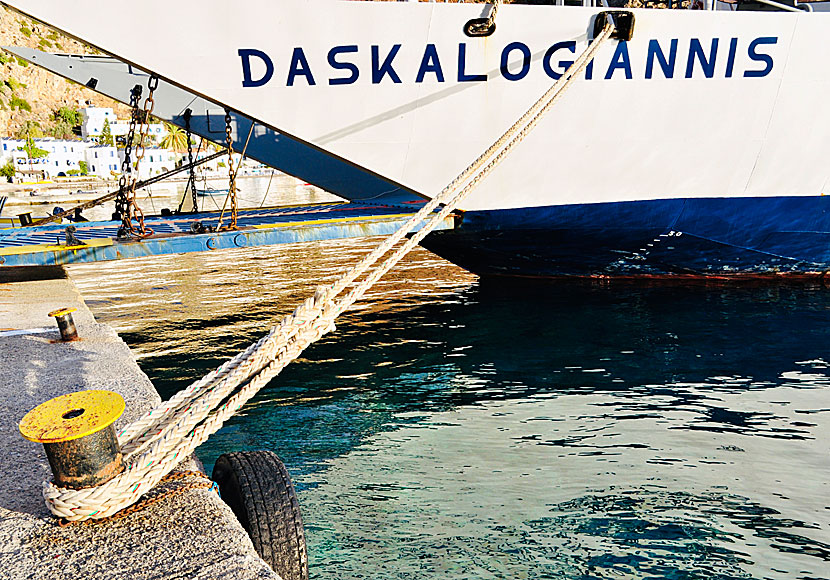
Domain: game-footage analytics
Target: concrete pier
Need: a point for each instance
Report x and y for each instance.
(193, 535)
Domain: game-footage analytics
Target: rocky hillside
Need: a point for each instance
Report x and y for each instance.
(29, 93)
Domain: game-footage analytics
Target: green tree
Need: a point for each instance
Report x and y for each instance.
(8, 170)
(176, 139)
(30, 130)
(70, 116)
(32, 150)
(62, 130)
(83, 167)
(67, 123)
(106, 134)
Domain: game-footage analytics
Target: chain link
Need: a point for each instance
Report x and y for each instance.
(128, 210)
(231, 177)
(126, 165)
(187, 115)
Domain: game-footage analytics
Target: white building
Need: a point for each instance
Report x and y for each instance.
(92, 121)
(62, 156)
(92, 124)
(65, 156)
(7, 148)
(103, 161)
(156, 160)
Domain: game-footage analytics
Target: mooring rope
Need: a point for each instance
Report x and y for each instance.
(158, 441)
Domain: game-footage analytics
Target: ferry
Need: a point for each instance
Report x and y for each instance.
(695, 148)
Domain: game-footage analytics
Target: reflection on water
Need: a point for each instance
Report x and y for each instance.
(551, 432)
(252, 192)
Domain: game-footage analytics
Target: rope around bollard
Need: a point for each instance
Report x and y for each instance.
(158, 441)
(200, 481)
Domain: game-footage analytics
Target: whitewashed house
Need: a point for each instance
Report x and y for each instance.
(103, 161)
(7, 148)
(64, 156)
(92, 124)
(155, 161)
(92, 121)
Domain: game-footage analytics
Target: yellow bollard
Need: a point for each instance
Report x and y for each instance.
(78, 434)
(66, 324)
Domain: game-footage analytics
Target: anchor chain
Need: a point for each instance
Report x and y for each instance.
(125, 206)
(192, 179)
(126, 166)
(231, 177)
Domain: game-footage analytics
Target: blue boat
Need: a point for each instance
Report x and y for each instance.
(210, 192)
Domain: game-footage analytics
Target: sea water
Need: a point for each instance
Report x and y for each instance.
(450, 428)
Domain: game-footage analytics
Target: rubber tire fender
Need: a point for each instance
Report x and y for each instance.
(257, 487)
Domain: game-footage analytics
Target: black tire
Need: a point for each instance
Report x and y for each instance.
(256, 486)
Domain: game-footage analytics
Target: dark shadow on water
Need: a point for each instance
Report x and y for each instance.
(648, 351)
(505, 342)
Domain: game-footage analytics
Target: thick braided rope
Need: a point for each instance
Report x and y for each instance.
(188, 394)
(157, 442)
(540, 111)
(491, 19)
(143, 429)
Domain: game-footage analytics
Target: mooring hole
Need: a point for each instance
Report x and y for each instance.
(73, 413)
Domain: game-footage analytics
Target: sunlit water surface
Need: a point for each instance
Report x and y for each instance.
(454, 430)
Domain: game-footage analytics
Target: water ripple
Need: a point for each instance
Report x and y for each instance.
(460, 429)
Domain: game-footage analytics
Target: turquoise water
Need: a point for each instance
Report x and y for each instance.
(452, 429)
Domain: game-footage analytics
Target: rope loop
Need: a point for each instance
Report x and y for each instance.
(483, 26)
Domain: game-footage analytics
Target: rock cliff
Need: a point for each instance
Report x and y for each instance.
(29, 93)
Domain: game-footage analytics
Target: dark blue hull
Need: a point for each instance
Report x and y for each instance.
(720, 237)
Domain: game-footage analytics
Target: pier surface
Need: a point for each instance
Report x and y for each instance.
(192, 535)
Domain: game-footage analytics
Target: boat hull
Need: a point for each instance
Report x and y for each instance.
(698, 147)
(713, 237)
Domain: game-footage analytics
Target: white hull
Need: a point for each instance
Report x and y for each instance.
(758, 127)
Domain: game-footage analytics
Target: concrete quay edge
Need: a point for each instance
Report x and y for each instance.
(193, 535)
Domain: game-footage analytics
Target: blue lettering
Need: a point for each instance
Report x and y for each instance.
(430, 63)
(730, 58)
(620, 60)
(381, 70)
(335, 64)
(765, 58)
(505, 57)
(654, 51)
(463, 77)
(565, 64)
(708, 65)
(246, 54)
(299, 66)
